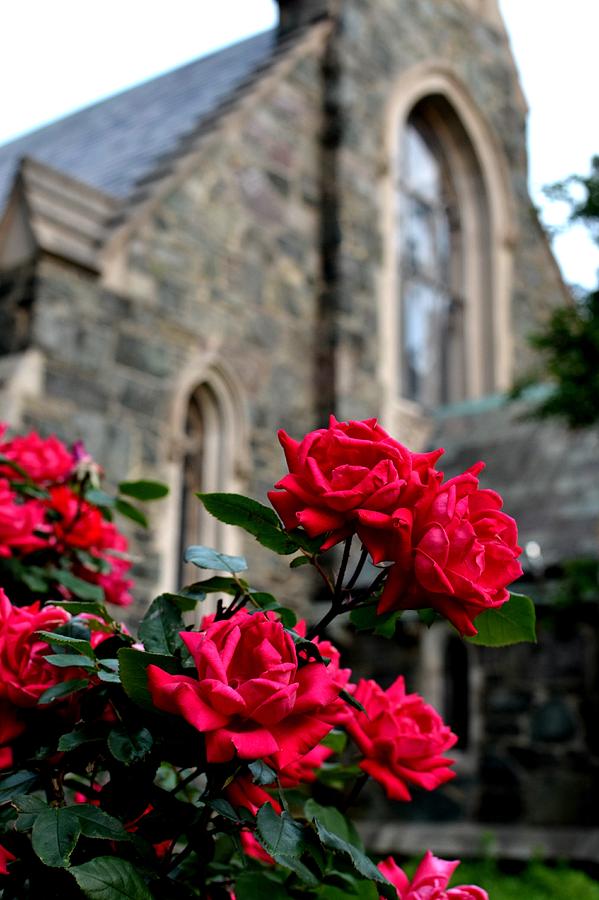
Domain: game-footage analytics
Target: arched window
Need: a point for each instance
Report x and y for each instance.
(432, 295)
(203, 469)
(448, 227)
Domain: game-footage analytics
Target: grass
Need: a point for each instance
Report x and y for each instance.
(535, 882)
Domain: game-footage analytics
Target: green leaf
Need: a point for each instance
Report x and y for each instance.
(64, 689)
(218, 584)
(364, 618)
(336, 740)
(512, 623)
(71, 643)
(131, 512)
(54, 836)
(261, 773)
(35, 578)
(134, 678)
(207, 558)
(283, 838)
(428, 616)
(268, 603)
(224, 808)
(144, 490)
(253, 517)
(110, 878)
(99, 498)
(16, 784)
(81, 588)
(82, 734)
(129, 747)
(184, 602)
(160, 627)
(349, 698)
(299, 561)
(68, 660)
(29, 808)
(76, 608)
(334, 821)
(95, 823)
(361, 863)
(258, 886)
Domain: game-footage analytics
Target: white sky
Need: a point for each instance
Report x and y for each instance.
(59, 55)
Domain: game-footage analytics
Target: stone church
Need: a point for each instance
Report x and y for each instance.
(328, 217)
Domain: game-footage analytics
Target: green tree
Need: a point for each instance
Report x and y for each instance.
(569, 344)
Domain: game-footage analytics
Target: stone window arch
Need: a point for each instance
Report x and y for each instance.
(448, 239)
(207, 450)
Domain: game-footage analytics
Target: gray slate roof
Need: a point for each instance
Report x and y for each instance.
(547, 475)
(115, 142)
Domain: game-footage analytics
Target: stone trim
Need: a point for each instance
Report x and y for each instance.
(207, 370)
(432, 79)
(50, 211)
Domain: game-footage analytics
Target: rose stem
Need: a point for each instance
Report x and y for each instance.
(358, 569)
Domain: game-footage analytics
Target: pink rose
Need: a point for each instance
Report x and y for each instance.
(45, 460)
(430, 880)
(401, 737)
(251, 696)
(5, 857)
(337, 471)
(24, 673)
(455, 551)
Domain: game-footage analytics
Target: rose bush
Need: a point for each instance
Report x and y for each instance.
(196, 753)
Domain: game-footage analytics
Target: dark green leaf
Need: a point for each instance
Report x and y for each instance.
(258, 520)
(283, 838)
(362, 863)
(78, 586)
(364, 618)
(109, 677)
(99, 498)
(18, 783)
(129, 747)
(132, 669)
(95, 823)
(76, 608)
(29, 808)
(299, 561)
(77, 645)
(512, 623)
(131, 512)
(387, 623)
(349, 698)
(334, 821)
(82, 734)
(64, 689)
(36, 579)
(427, 616)
(160, 627)
(336, 740)
(54, 836)
(144, 490)
(184, 602)
(224, 808)
(268, 603)
(110, 878)
(67, 660)
(207, 558)
(261, 773)
(259, 886)
(218, 584)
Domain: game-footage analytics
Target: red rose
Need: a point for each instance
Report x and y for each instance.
(251, 696)
(401, 737)
(24, 673)
(5, 857)
(79, 524)
(243, 792)
(430, 880)
(18, 522)
(10, 729)
(43, 459)
(337, 471)
(455, 551)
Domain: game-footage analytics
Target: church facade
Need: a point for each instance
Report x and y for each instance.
(329, 217)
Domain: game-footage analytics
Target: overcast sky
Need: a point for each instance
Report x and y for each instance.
(58, 56)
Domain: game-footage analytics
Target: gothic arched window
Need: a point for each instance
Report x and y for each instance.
(445, 330)
(204, 468)
(432, 304)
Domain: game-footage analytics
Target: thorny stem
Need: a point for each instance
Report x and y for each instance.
(342, 568)
(353, 795)
(187, 780)
(357, 570)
